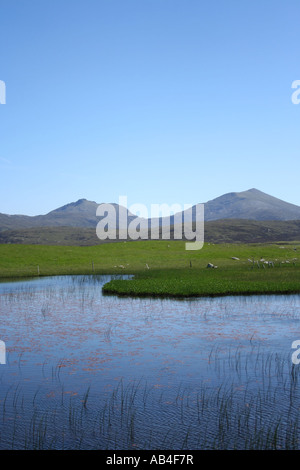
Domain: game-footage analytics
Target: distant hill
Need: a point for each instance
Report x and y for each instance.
(253, 205)
(216, 231)
(81, 213)
(235, 216)
(247, 205)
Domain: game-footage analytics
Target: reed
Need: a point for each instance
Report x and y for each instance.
(237, 412)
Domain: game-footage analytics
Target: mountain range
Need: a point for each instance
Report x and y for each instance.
(242, 217)
(247, 205)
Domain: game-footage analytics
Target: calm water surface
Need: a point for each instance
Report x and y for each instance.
(65, 341)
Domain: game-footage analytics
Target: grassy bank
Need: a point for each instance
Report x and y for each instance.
(165, 268)
(228, 281)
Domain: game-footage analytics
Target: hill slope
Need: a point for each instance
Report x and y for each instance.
(252, 204)
(216, 231)
(247, 205)
(81, 213)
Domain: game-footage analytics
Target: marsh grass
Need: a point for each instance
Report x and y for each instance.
(173, 271)
(182, 283)
(251, 403)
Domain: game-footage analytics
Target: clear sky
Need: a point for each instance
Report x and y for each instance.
(164, 101)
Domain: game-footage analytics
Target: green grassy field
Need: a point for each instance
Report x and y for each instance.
(164, 268)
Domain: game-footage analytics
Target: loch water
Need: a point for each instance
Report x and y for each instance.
(85, 370)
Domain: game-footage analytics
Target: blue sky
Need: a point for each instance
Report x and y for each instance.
(164, 101)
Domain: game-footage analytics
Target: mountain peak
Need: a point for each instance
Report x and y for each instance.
(80, 204)
(254, 190)
(80, 201)
(252, 204)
